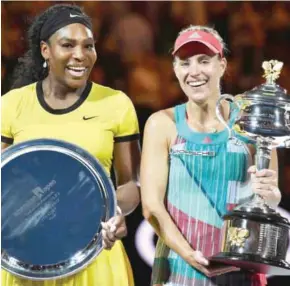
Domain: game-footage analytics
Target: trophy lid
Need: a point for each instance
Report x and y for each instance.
(270, 91)
(256, 209)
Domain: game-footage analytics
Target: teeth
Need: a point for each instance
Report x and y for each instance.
(197, 83)
(77, 68)
(77, 71)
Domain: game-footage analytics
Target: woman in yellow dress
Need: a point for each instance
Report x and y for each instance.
(52, 97)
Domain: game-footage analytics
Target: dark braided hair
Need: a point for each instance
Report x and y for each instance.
(30, 67)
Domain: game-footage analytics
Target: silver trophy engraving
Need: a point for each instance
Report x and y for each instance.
(255, 237)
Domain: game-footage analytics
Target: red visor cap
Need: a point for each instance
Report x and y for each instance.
(201, 37)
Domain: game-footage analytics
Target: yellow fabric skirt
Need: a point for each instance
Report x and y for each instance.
(110, 268)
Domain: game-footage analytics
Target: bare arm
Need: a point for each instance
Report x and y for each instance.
(126, 165)
(154, 175)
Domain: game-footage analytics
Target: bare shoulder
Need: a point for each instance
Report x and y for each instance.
(161, 119)
(162, 124)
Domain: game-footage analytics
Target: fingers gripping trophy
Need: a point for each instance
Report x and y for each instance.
(255, 236)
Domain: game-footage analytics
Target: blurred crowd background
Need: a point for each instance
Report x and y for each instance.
(135, 38)
(134, 42)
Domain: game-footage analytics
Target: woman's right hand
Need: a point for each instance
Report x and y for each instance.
(197, 260)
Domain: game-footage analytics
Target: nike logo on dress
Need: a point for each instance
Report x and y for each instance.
(90, 117)
(73, 16)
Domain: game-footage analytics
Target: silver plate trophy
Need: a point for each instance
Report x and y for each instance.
(54, 197)
(255, 237)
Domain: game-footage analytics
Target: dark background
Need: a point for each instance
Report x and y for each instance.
(134, 40)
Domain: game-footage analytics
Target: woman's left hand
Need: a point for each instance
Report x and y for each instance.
(265, 184)
(113, 229)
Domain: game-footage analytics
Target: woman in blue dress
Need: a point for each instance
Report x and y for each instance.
(192, 174)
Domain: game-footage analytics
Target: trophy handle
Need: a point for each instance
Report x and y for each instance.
(219, 114)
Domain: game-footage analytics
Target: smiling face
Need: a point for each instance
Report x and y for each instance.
(71, 55)
(199, 70)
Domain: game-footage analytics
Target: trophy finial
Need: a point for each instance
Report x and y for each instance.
(272, 70)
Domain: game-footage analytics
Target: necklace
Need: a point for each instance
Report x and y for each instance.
(208, 129)
(212, 128)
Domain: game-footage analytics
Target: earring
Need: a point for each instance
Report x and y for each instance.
(44, 64)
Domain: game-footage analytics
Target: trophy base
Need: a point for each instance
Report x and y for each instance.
(253, 263)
